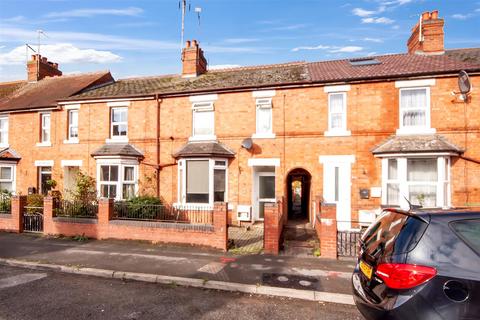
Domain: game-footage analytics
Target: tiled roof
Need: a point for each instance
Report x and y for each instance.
(46, 92)
(7, 88)
(415, 144)
(9, 155)
(117, 149)
(246, 77)
(204, 149)
(390, 66)
(470, 55)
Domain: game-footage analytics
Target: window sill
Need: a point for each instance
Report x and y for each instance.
(409, 131)
(71, 141)
(263, 136)
(332, 133)
(203, 138)
(44, 144)
(201, 206)
(117, 140)
(4, 145)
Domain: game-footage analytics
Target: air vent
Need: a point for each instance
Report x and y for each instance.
(364, 62)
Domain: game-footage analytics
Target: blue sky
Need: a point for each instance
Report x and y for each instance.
(136, 38)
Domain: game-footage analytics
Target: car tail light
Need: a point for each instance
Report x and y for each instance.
(404, 276)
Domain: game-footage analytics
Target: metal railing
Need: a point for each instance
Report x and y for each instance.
(348, 237)
(123, 210)
(32, 219)
(5, 203)
(75, 209)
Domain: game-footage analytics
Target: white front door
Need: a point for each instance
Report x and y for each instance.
(263, 192)
(337, 187)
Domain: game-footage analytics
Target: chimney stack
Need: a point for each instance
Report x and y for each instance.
(39, 67)
(193, 60)
(427, 35)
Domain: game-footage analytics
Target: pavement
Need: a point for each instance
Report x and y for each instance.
(38, 295)
(313, 279)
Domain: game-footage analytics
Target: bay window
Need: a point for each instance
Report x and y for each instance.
(424, 181)
(202, 181)
(7, 178)
(117, 179)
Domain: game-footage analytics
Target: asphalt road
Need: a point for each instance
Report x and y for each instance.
(34, 294)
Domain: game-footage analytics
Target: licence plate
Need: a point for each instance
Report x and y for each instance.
(366, 269)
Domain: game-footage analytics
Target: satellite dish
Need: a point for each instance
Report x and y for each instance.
(464, 84)
(247, 143)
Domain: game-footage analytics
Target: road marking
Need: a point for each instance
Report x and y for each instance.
(137, 255)
(212, 268)
(322, 273)
(20, 279)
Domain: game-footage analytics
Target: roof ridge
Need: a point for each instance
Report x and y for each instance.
(260, 66)
(172, 75)
(71, 75)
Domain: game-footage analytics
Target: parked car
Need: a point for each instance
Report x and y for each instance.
(420, 265)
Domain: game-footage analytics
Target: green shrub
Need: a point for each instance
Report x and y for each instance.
(144, 200)
(35, 200)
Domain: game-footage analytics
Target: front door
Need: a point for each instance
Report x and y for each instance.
(264, 192)
(337, 189)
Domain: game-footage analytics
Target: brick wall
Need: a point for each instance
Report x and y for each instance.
(275, 218)
(105, 228)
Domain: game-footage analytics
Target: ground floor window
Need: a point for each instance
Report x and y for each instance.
(423, 181)
(7, 178)
(117, 180)
(202, 181)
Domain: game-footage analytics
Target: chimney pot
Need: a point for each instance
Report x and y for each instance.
(195, 43)
(194, 62)
(40, 68)
(434, 14)
(427, 38)
(187, 44)
(426, 15)
(44, 59)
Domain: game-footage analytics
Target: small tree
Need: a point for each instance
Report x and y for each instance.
(85, 188)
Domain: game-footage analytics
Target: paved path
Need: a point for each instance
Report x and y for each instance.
(52, 296)
(301, 273)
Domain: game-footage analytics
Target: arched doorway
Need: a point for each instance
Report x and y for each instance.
(298, 192)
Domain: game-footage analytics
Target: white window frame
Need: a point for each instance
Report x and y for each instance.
(182, 181)
(4, 132)
(121, 163)
(40, 173)
(337, 132)
(263, 103)
(70, 125)
(13, 179)
(203, 107)
(112, 123)
(425, 129)
(443, 183)
(43, 142)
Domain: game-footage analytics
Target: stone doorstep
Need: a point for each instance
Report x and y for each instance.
(308, 295)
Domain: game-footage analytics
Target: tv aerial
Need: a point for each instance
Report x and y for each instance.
(182, 5)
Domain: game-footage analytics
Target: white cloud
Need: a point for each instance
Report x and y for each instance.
(319, 47)
(15, 19)
(223, 66)
(380, 20)
(348, 49)
(331, 49)
(362, 12)
(61, 53)
(376, 40)
(460, 16)
(241, 40)
(85, 13)
(289, 27)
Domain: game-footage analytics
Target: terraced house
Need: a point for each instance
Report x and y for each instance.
(361, 133)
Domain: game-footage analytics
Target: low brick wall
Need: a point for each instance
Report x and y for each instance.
(274, 220)
(105, 228)
(13, 222)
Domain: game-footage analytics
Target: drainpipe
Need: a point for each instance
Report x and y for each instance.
(157, 167)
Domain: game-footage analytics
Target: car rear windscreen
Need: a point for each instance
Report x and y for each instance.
(469, 232)
(393, 233)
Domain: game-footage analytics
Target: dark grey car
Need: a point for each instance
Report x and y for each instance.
(420, 265)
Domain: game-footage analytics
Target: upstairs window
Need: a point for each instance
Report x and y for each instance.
(264, 116)
(3, 131)
(119, 123)
(72, 124)
(45, 127)
(337, 112)
(414, 108)
(203, 120)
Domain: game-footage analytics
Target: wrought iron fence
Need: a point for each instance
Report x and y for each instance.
(5, 203)
(32, 219)
(75, 209)
(123, 210)
(348, 237)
